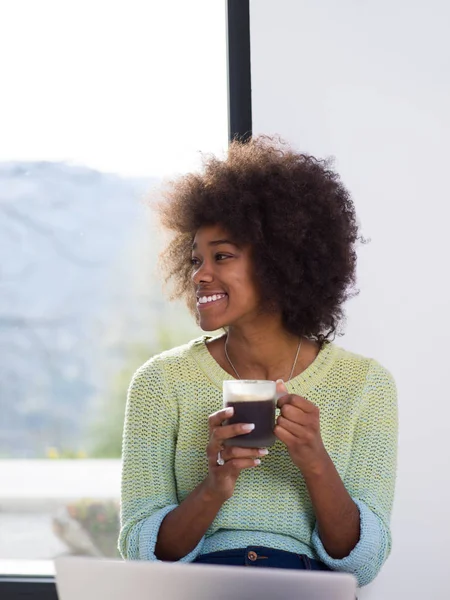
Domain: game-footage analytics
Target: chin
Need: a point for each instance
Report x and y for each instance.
(210, 324)
(208, 327)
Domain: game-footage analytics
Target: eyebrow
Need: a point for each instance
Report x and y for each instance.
(216, 243)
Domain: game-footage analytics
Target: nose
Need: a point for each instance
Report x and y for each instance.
(203, 274)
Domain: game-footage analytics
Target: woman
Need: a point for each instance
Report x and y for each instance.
(263, 248)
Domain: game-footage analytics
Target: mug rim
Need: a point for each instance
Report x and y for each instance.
(252, 381)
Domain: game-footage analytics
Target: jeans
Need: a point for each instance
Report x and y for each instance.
(260, 556)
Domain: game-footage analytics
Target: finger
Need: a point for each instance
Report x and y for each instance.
(297, 415)
(281, 389)
(225, 432)
(295, 429)
(237, 464)
(299, 402)
(212, 450)
(232, 452)
(217, 418)
(285, 436)
(286, 399)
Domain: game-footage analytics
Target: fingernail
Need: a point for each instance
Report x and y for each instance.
(279, 381)
(263, 452)
(229, 411)
(248, 427)
(257, 461)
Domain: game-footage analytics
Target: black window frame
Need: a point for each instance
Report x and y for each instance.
(239, 127)
(239, 70)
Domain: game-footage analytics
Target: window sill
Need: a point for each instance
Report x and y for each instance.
(31, 588)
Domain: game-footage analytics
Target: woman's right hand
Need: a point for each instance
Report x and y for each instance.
(222, 479)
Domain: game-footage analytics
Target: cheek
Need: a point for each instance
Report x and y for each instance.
(253, 296)
(244, 293)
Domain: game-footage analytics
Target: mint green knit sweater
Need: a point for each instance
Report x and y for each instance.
(164, 457)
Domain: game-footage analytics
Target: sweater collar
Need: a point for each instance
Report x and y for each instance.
(300, 384)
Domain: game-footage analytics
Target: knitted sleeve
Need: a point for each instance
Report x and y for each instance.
(148, 482)
(370, 478)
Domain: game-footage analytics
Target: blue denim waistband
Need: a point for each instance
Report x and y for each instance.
(261, 556)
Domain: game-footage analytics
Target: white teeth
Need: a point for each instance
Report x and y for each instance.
(213, 298)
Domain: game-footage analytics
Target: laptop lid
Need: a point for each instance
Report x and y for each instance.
(103, 579)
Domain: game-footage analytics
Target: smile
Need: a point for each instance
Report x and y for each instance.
(204, 301)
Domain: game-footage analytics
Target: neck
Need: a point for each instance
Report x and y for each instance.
(262, 351)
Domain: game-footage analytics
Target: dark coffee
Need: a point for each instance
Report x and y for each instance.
(259, 412)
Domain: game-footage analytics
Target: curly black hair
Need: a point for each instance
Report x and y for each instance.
(293, 211)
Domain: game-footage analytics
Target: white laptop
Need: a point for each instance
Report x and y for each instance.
(104, 579)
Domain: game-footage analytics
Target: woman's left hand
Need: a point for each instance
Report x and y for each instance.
(298, 426)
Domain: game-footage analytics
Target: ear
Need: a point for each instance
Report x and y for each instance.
(281, 389)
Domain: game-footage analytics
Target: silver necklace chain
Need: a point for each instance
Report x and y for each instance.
(293, 366)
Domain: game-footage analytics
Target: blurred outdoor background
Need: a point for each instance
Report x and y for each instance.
(101, 103)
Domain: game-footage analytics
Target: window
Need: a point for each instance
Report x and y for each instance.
(100, 102)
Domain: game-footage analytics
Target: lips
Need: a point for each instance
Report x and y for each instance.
(209, 299)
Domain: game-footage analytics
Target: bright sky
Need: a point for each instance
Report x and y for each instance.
(137, 87)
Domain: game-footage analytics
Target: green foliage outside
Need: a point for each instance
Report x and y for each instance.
(106, 433)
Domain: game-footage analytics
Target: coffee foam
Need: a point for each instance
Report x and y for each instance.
(247, 397)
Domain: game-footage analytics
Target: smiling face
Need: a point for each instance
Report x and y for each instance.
(223, 277)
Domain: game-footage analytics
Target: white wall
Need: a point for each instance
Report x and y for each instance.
(369, 82)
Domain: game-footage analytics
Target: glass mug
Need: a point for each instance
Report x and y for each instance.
(253, 402)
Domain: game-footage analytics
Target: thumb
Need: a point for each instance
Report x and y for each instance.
(281, 389)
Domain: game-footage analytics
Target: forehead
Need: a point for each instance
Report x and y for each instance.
(210, 233)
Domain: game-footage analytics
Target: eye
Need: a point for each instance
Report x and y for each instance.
(220, 256)
(195, 261)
